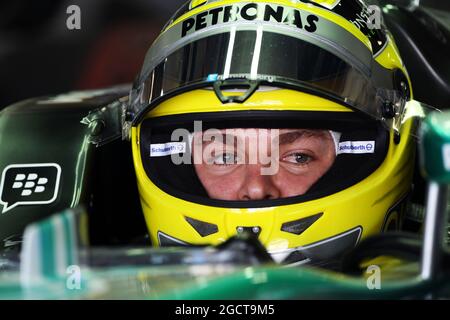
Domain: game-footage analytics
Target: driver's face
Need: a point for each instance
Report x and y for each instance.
(304, 156)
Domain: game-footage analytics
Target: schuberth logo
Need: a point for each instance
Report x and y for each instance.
(162, 150)
(357, 147)
(250, 12)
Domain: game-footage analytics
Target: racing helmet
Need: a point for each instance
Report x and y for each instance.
(319, 66)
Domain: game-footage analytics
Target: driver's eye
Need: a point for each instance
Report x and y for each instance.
(225, 159)
(298, 158)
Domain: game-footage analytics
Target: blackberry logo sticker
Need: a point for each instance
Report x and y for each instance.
(29, 184)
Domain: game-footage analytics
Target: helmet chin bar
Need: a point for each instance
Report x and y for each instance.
(327, 251)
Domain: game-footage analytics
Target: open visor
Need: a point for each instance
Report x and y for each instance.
(176, 154)
(267, 58)
(359, 147)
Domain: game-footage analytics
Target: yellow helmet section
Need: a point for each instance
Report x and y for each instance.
(365, 207)
(204, 100)
(330, 4)
(196, 3)
(390, 59)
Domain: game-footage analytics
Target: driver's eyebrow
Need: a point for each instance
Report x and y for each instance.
(225, 139)
(291, 137)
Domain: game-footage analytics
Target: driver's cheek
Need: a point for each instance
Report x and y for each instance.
(223, 185)
(292, 185)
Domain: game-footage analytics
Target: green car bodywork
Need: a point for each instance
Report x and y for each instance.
(55, 260)
(106, 255)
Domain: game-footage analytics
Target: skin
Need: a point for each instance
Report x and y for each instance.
(228, 174)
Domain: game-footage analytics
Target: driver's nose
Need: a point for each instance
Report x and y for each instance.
(257, 186)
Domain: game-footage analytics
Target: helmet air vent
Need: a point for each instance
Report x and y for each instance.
(203, 228)
(300, 226)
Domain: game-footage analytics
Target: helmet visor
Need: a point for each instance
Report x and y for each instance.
(268, 57)
(260, 159)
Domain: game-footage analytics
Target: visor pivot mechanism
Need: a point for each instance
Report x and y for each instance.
(389, 110)
(397, 138)
(235, 84)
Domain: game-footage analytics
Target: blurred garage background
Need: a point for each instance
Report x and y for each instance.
(40, 56)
